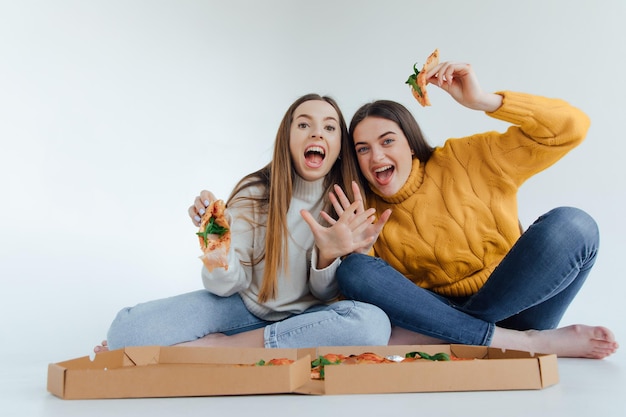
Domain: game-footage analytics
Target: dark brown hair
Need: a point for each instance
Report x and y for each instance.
(396, 112)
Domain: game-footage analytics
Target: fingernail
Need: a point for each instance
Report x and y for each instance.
(202, 211)
(206, 203)
(197, 218)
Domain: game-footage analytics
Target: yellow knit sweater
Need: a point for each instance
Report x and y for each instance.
(457, 217)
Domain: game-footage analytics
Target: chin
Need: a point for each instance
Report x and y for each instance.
(387, 190)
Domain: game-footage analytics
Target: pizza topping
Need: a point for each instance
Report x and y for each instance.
(214, 236)
(412, 81)
(211, 228)
(423, 355)
(417, 81)
(318, 364)
(277, 361)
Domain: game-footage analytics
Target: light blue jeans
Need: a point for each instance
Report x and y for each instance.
(191, 316)
(530, 289)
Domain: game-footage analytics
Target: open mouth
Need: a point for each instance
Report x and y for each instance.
(314, 156)
(383, 174)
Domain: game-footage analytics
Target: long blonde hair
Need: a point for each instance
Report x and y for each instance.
(276, 179)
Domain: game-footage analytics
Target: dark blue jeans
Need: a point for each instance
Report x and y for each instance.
(530, 289)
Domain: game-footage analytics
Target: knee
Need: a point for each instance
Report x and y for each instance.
(372, 324)
(575, 224)
(117, 330)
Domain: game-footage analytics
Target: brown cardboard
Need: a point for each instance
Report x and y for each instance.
(492, 369)
(153, 371)
(177, 372)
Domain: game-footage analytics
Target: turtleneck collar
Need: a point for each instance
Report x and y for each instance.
(410, 187)
(311, 191)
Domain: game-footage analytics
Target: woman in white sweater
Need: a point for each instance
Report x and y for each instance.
(279, 289)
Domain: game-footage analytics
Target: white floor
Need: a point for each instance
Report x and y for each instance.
(586, 388)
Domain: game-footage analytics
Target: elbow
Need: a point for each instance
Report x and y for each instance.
(579, 124)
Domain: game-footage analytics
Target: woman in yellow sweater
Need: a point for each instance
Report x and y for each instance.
(451, 262)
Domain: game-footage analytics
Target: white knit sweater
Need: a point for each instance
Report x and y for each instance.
(303, 286)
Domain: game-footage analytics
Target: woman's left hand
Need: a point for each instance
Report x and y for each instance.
(460, 81)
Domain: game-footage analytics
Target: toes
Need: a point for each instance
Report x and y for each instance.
(103, 347)
(602, 333)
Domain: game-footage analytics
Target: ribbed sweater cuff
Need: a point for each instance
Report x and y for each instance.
(515, 107)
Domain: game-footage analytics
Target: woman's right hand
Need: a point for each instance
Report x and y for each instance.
(199, 206)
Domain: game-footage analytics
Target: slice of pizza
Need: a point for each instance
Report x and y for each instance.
(317, 365)
(366, 357)
(275, 361)
(214, 236)
(417, 81)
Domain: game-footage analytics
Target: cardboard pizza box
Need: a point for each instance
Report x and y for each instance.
(483, 369)
(152, 371)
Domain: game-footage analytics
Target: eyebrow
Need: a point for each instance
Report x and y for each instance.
(306, 116)
(386, 133)
(379, 137)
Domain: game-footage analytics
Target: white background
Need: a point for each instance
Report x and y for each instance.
(115, 114)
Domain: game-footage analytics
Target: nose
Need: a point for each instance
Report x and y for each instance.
(377, 153)
(317, 132)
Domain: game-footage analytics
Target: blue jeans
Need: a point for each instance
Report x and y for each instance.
(191, 316)
(530, 289)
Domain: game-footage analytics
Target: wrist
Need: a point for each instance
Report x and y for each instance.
(490, 102)
(324, 260)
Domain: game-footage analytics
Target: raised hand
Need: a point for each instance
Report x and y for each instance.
(354, 231)
(370, 232)
(460, 81)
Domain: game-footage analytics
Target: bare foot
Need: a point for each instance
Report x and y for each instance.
(575, 341)
(104, 347)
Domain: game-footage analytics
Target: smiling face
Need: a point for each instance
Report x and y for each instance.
(384, 154)
(314, 139)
